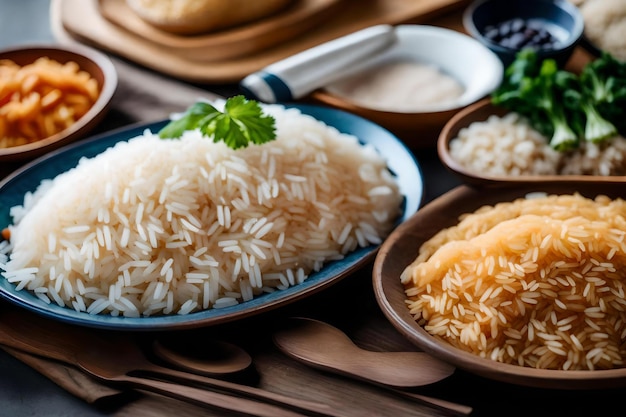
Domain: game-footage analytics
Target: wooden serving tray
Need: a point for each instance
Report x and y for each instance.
(83, 21)
(296, 19)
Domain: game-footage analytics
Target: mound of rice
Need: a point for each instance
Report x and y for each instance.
(538, 282)
(154, 226)
(509, 146)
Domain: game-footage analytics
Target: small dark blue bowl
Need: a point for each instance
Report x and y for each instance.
(559, 18)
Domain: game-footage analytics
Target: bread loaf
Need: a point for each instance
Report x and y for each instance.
(193, 17)
(605, 25)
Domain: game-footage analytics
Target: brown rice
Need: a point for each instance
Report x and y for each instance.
(508, 146)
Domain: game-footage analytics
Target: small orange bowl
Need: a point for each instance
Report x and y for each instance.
(99, 67)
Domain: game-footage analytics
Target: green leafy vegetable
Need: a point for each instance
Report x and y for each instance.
(242, 122)
(563, 106)
(587, 118)
(604, 79)
(535, 89)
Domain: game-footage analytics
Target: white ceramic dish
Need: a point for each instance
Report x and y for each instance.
(458, 55)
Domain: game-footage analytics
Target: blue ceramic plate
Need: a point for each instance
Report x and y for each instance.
(12, 189)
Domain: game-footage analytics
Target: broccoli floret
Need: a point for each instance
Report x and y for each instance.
(603, 83)
(597, 128)
(563, 106)
(583, 112)
(535, 88)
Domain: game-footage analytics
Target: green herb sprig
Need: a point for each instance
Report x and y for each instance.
(242, 122)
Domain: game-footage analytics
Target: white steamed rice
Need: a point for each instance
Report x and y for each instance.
(154, 226)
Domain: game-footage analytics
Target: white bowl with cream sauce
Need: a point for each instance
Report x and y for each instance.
(428, 69)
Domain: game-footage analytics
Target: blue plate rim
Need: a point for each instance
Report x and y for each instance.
(411, 185)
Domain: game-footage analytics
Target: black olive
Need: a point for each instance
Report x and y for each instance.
(518, 33)
(530, 33)
(506, 42)
(517, 40)
(518, 25)
(544, 35)
(505, 29)
(492, 34)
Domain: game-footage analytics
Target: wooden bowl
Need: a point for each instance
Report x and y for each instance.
(98, 65)
(477, 68)
(401, 248)
(478, 112)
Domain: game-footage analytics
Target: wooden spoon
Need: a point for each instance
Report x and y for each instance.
(325, 347)
(217, 357)
(108, 366)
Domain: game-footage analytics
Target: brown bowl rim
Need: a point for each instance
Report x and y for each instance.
(82, 125)
(400, 249)
(485, 108)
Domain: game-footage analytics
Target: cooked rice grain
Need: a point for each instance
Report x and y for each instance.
(509, 146)
(538, 282)
(155, 226)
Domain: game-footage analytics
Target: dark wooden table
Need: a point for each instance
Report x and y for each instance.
(349, 305)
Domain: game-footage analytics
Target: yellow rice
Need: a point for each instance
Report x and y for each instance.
(537, 282)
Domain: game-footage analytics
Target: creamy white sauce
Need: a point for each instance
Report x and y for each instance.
(400, 86)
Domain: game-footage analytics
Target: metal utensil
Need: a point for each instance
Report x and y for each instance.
(296, 76)
(114, 357)
(303, 339)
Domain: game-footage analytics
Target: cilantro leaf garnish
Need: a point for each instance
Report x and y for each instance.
(242, 122)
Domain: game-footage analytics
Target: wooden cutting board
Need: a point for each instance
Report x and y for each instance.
(83, 21)
(221, 45)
